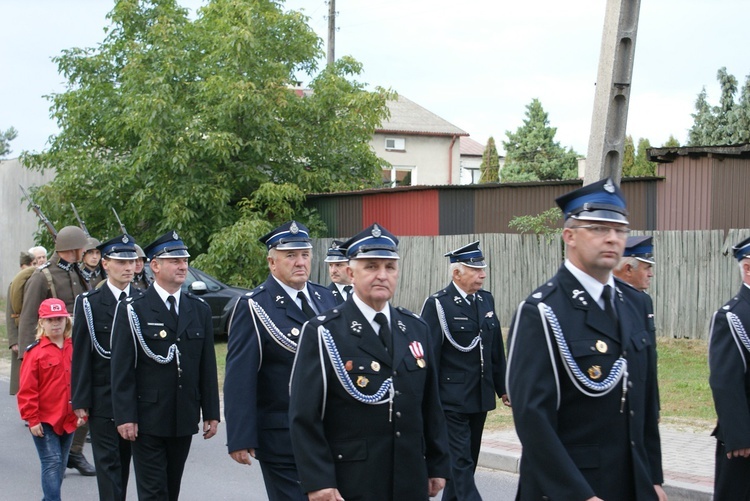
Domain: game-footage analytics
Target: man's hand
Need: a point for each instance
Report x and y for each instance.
(738, 453)
(81, 413)
(505, 399)
(210, 428)
(14, 348)
(660, 492)
(242, 456)
(329, 494)
(128, 431)
(435, 485)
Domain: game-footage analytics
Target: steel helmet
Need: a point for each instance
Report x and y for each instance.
(70, 238)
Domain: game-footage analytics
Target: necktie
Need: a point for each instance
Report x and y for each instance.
(472, 299)
(608, 309)
(306, 308)
(348, 290)
(385, 332)
(172, 307)
(123, 296)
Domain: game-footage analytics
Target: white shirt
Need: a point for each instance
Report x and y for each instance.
(293, 294)
(593, 286)
(369, 313)
(164, 295)
(116, 292)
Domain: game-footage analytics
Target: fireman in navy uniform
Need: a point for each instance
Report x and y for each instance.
(263, 334)
(580, 371)
(91, 372)
(163, 372)
(368, 424)
(470, 360)
(340, 286)
(728, 354)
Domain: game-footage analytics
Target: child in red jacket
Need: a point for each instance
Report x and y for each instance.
(44, 394)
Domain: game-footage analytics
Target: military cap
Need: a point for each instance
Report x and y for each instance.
(372, 242)
(120, 247)
(335, 254)
(641, 248)
(600, 201)
(91, 244)
(742, 249)
(289, 236)
(167, 245)
(468, 255)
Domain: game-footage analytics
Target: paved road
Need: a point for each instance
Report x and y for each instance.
(209, 474)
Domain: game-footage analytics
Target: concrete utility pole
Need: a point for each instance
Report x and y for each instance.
(331, 32)
(610, 118)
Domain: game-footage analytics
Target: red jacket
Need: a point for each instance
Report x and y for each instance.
(44, 387)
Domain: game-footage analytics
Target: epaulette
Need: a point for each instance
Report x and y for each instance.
(193, 296)
(130, 299)
(90, 293)
(256, 291)
(329, 315)
(32, 345)
(541, 292)
(45, 265)
(619, 281)
(440, 293)
(408, 312)
(731, 303)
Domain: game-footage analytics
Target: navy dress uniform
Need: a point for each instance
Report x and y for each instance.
(163, 377)
(470, 360)
(728, 355)
(580, 375)
(365, 420)
(263, 334)
(336, 255)
(91, 374)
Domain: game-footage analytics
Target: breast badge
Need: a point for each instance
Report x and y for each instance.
(601, 346)
(375, 366)
(162, 334)
(362, 381)
(595, 372)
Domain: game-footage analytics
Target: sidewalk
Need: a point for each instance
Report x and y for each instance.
(687, 456)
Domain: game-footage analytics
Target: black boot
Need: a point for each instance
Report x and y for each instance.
(78, 461)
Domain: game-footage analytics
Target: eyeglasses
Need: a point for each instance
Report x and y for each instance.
(601, 230)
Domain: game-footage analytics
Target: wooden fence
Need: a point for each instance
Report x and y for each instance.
(695, 272)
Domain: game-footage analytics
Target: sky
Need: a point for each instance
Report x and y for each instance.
(475, 63)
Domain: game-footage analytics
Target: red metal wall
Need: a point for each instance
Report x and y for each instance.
(410, 213)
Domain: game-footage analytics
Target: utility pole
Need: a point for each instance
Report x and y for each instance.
(612, 98)
(331, 32)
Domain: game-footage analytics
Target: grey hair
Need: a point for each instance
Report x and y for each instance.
(633, 262)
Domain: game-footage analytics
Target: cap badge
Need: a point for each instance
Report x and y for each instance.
(601, 346)
(174, 236)
(375, 366)
(125, 239)
(376, 231)
(356, 327)
(294, 229)
(362, 381)
(609, 187)
(401, 326)
(595, 372)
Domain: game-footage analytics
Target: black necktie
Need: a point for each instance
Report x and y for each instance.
(385, 332)
(123, 296)
(348, 290)
(172, 307)
(608, 309)
(306, 308)
(472, 299)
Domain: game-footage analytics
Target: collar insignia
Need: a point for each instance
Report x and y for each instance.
(356, 326)
(401, 326)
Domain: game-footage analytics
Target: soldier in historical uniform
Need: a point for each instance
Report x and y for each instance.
(61, 278)
(12, 314)
(263, 335)
(728, 354)
(140, 278)
(164, 378)
(340, 285)
(92, 373)
(580, 368)
(91, 266)
(470, 360)
(365, 412)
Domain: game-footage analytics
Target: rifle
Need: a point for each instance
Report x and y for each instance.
(38, 211)
(80, 221)
(122, 226)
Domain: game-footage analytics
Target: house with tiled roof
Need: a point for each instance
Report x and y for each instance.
(422, 148)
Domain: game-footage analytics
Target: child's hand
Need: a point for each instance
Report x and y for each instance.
(37, 430)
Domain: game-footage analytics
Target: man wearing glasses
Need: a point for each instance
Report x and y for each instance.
(580, 373)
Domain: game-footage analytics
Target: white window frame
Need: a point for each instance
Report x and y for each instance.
(396, 144)
(394, 169)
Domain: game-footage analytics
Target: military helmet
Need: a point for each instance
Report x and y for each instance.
(139, 252)
(70, 238)
(91, 244)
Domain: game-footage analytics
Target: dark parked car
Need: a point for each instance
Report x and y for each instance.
(219, 296)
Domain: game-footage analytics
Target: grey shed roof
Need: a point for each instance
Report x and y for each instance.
(407, 117)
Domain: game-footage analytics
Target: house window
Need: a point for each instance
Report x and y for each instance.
(399, 175)
(395, 144)
(470, 175)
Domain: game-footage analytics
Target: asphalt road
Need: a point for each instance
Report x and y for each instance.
(210, 474)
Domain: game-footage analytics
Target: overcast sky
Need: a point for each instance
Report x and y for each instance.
(475, 63)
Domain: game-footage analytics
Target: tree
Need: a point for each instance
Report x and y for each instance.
(628, 156)
(177, 123)
(672, 142)
(546, 223)
(490, 167)
(635, 161)
(5, 139)
(725, 124)
(531, 153)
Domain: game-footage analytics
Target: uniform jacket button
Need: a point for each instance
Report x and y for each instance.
(398, 434)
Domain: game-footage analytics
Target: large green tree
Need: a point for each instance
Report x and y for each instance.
(490, 167)
(729, 121)
(177, 122)
(532, 154)
(5, 138)
(635, 160)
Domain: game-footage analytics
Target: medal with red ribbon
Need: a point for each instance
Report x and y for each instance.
(416, 350)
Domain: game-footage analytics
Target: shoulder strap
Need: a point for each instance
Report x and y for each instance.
(50, 283)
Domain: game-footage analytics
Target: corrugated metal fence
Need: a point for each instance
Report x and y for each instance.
(693, 276)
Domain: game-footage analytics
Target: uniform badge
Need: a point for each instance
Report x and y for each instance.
(609, 187)
(362, 381)
(601, 346)
(376, 231)
(401, 326)
(595, 372)
(174, 236)
(294, 229)
(576, 293)
(457, 300)
(356, 326)
(537, 295)
(489, 314)
(295, 331)
(280, 299)
(415, 347)
(125, 239)
(348, 365)
(479, 297)
(375, 366)
(317, 295)
(162, 334)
